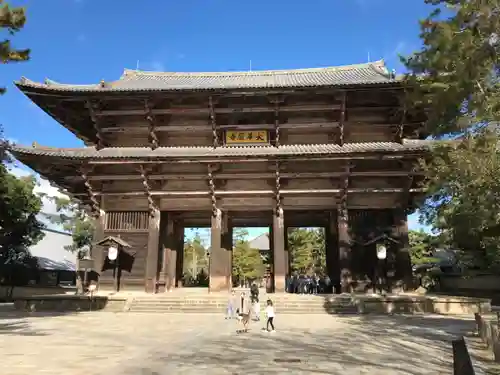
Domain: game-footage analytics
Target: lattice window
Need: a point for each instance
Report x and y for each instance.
(130, 221)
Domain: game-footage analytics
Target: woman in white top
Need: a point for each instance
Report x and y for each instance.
(270, 315)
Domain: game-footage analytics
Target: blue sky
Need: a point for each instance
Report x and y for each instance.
(84, 41)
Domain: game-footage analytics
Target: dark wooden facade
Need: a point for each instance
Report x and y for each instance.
(328, 147)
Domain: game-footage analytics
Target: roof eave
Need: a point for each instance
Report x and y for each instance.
(68, 90)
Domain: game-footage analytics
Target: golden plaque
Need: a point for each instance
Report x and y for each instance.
(247, 137)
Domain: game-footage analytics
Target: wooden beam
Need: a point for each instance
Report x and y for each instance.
(95, 123)
(225, 193)
(92, 195)
(342, 118)
(345, 188)
(152, 137)
(401, 126)
(248, 176)
(277, 122)
(213, 122)
(277, 190)
(211, 189)
(198, 160)
(183, 127)
(147, 189)
(202, 110)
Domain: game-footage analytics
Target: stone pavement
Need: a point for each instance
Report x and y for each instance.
(154, 344)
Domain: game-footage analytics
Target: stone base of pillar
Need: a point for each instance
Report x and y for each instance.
(150, 286)
(218, 284)
(279, 284)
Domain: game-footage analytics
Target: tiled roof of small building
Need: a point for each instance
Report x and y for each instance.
(206, 152)
(134, 80)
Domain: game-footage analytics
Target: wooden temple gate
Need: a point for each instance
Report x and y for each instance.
(330, 147)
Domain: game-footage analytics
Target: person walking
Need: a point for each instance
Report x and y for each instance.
(254, 292)
(256, 309)
(231, 306)
(270, 313)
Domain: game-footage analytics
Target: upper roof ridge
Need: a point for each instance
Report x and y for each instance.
(367, 74)
(378, 66)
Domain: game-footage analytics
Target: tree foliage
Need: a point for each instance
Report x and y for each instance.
(12, 20)
(463, 201)
(455, 76)
(74, 220)
(422, 246)
(247, 262)
(19, 227)
(306, 248)
(195, 256)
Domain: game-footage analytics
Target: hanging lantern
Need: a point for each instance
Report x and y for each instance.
(381, 252)
(112, 253)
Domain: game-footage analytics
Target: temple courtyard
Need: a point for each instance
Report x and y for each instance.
(134, 343)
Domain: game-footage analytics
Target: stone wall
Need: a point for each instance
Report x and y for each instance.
(487, 328)
(485, 284)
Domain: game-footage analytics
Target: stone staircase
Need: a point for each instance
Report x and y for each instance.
(216, 303)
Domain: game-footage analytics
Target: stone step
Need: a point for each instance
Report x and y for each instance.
(199, 307)
(210, 304)
(224, 305)
(221, 312)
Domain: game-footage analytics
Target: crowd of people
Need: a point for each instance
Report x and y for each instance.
(308, 284)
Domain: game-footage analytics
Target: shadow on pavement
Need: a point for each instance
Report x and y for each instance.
(387, 344)
(16, 323)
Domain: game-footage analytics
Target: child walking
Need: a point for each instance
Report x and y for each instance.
(270, 313)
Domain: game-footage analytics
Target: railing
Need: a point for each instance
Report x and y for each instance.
(127, 221)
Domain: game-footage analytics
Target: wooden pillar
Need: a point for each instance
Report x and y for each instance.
(344, 249)
(279, 270)
(179, 259)
(97, 252)
(287, 253)
(218, 255)
(151, 276)
(227, 246)
(170, 254)
(332, 251)
(403, 260)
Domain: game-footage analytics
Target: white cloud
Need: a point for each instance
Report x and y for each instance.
(43, 187)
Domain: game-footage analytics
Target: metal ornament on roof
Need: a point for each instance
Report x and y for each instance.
(112, 253)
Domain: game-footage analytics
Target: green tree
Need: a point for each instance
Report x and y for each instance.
(247, 262)
(455, 77)
(73, 219)
(463, 200)
(455, 74)
(195, 257)
(422, 245)
(12, 20)
(307, 251)
(19, 227)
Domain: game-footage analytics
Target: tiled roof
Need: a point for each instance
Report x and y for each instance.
(134, 80)
(207, 152)
(260, 243)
